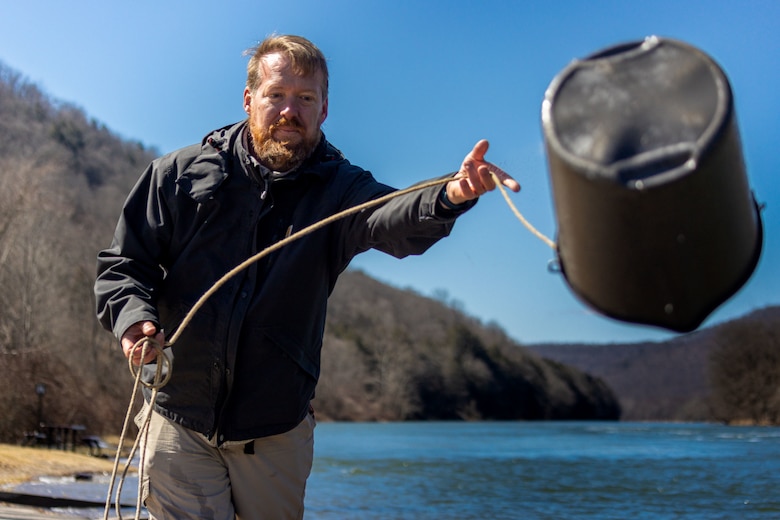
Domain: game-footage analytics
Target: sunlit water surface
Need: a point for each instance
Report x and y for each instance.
(524, 470)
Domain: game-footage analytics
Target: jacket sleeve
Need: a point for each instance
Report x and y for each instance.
(407, 225)
(130, 272)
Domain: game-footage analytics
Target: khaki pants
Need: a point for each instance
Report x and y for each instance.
(186, 477)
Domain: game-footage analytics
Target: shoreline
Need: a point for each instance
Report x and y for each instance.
(20, 464)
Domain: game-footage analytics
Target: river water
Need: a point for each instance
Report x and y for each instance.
(526, 470)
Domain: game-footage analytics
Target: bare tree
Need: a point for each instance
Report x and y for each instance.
(745, 373)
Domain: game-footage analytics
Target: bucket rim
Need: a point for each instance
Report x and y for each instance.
(718, 124)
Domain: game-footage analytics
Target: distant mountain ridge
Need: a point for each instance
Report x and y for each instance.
(668, 380)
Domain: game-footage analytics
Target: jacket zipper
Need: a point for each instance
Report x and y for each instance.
(240, 307)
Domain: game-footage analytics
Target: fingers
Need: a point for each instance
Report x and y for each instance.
(482, 182)
(477, 171)
(474, 160)
(136, 351)
(149, 328)
(479, 150)
(505, 178)
(131, 339)
(476, 176)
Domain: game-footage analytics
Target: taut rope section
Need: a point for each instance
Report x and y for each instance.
(160, 380)
(322, 223)
(521, 218)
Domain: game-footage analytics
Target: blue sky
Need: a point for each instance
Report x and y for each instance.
(413, 86)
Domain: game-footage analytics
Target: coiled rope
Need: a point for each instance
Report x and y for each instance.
(163, 370)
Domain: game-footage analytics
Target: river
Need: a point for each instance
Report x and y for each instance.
(527, 470)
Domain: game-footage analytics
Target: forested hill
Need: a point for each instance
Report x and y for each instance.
(63, 178)
(729, 372)
(393, 354)
(389, 354)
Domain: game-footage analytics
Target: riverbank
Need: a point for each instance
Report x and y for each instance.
(21, 464)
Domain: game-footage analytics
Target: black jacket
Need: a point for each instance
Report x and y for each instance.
(247, 365)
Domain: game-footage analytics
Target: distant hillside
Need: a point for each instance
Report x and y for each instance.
(393, 354)
(389, 354)
(674, 380)
(63, 178)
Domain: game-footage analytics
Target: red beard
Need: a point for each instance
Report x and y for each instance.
(277, 155)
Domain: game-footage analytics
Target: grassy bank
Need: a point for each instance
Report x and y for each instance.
(20, 464)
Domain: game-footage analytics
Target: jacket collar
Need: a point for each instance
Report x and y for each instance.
(223, 149)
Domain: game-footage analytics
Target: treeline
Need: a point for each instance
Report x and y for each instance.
(726, 373)
(392, 355)
(62, 179)
(388, 354)
(744, 369)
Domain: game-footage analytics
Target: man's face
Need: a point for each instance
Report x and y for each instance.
(285, 114)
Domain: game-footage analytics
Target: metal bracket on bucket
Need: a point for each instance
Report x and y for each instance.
(657, 224)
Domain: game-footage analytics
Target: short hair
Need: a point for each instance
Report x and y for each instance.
(305, 58)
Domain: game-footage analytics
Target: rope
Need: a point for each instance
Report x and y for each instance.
(161, 378)
(520, 216)
(292, 238)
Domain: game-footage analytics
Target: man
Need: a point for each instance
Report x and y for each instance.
(231, 434)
